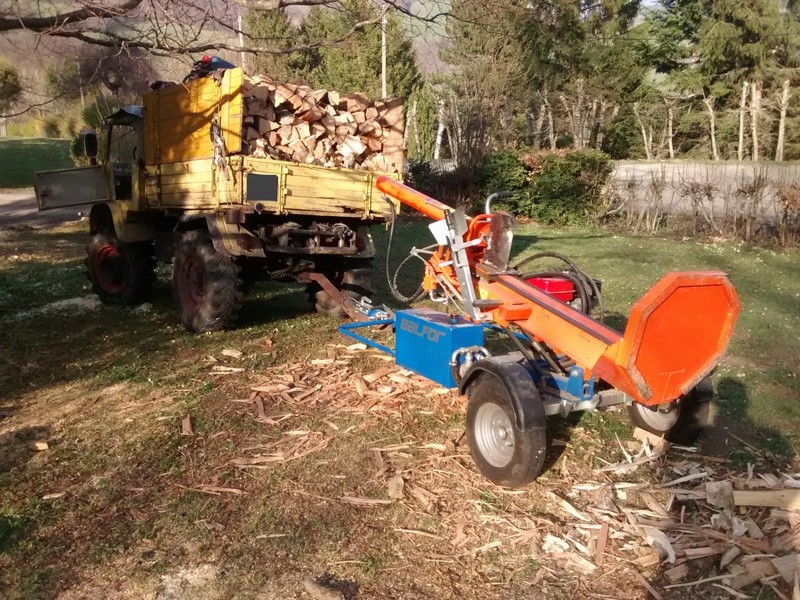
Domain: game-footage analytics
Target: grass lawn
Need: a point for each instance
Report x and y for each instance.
(22, 157)
(258, 497)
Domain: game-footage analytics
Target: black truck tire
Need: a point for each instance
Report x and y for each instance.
(503, 453)
(353, 278)
(120, 273)
(206, 284)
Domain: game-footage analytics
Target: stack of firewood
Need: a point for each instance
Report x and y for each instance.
(321, 127)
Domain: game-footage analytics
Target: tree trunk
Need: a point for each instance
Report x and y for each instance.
(437, 149)
(538, 125)
(670, 133)
(3, 126)
(648, 141)
(755, 111)
(712, 124)
(742, 106)
(551, 131)
(602, 122)
(784, 105)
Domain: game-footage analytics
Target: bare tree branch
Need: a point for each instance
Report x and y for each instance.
(44, 24)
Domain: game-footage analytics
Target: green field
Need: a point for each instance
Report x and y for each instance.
(122, 488)
(22, 157)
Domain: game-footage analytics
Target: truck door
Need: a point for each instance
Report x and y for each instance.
(71, 187)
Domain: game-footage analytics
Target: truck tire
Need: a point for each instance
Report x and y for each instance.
(206, 284)
(352, 277)
(504, 454)
(120, 273)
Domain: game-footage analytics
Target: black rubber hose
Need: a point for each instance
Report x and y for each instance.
(576, 270)
(392, 280)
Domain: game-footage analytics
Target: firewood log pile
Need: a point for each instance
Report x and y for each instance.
(294, 122)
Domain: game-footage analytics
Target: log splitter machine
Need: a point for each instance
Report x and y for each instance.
(563, 359)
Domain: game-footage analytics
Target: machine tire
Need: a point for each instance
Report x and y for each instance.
(352, 277)
(504, 454)
(206, 284)
(120, 273)
(685, 422)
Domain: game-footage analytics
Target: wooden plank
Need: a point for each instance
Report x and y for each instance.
(784, 499)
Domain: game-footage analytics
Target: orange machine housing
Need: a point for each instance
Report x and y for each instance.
(676, 333)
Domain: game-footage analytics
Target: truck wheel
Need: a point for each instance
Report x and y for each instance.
(503, 454)
(353, 278)
(206, 284)
(680, 422)
(121, 273)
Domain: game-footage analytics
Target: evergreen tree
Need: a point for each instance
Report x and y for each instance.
(10, 86)
(355, 64)
(272, 27)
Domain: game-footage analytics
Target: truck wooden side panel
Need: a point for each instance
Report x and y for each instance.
(177, 119)
(299, 189)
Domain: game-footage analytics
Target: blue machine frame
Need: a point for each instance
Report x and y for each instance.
(425, 340)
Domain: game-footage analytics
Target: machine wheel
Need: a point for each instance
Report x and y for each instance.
(121, 273)
(682, 421)
(503, 454)
(352, 277)
(206, 284)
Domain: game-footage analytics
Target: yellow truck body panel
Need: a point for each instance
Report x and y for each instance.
(299, 188)
(180, 171)
(177, 119)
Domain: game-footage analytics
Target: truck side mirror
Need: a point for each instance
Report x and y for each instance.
(90, 145)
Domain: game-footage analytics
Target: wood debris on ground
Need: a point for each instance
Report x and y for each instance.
(670, 521)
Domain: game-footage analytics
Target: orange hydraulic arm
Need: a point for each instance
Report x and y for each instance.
(676, 333)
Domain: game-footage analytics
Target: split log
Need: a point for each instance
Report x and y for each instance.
(291, 121)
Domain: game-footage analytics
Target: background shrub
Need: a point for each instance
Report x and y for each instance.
(559, 187)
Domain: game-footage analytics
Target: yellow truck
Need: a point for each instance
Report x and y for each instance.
(174, 184)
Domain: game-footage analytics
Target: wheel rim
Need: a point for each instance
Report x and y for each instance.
(110, 268)
(494, 435)
(659, 420)
(192, 284)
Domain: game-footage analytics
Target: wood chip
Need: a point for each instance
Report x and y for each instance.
(756, 569)
(660, 541)
(418, 532)
(364, 501)
(319, 592)
(232, 353)
(568, 508)
(600, 545)
(677, 573)
(215, 489)
(186, 426)
(40, 446)
(271, 388)
(787, 566)
(720, 494)
(395, 487)
(373, 377)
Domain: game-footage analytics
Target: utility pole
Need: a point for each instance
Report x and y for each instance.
(384, 91)
(241, 44)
